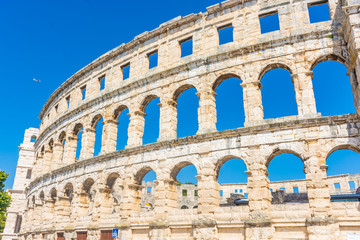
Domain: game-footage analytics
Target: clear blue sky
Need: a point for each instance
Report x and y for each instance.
(50, 41)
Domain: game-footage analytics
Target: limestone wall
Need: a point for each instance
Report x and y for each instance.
(69, 195)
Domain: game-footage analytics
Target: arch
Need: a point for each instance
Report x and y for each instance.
(95, 120)
(222, 78)
(53, 193)
(182, 89)
(42, 197)
(51, 144)
(184, 207)
(76, 129)
(146, 101)
(139, 176)
(176, 169)
(343, 147)
(62, 137)
(118, 111)
(277, 151)
(111, 179)
(88, 183)
(328, 57)
(272, 66)
(223, 160)
(69, 190)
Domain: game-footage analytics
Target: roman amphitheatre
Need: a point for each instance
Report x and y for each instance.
(59, 194)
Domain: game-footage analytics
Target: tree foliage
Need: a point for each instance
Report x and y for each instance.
(4, 199)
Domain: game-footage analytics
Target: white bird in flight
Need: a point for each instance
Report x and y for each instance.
(36, 80)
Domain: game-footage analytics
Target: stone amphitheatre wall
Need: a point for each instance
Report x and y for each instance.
(92, 194)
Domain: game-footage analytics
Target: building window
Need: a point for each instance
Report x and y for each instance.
(296, 189)
(196, 193)
(102, 83)
(125, 71)
(18, 224)
(352, 185)
(186, 47)
(106, 235)
(184, 207)
(226, 34)
(319, 12)
(153, 59)
(245, 195)
(241, 190)
(28, 174)
(269, 22)
(67, 101)
(282, 189)
(184, 192)
(221, 193)
(337, 186)
(236, 190)
(56, 108)
(271, 190)
(83, 92)
(81, 235)
(148, 189)
(33, 139)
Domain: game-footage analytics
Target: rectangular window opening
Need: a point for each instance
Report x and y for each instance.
(184, 192)
(186, 47)
(83, 92)
(352, 185)
(271, 190)
(148, 189)
(196, 193)
(102, 82)
(282, 189)
(153, 59)
(18, 224)
(241, 190)
(221, 193)
(296, 189)
(269, 22)
(126, 71)
(56, 108)
(81, 235)
(337, 186)
(319, 12)
(245, 195)
(226, 34)
(28, 174)
(33, 139)
(236, 190)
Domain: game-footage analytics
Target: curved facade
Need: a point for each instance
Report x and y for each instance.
(70, 195)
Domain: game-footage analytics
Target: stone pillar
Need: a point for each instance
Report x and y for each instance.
(70, 150)
(252, 102)
(130, 201)
(166, 195)
(103, 205)
(47, 161)
(57, 156)
(136, 129)
(48, 216)
(87, 143)
(355, 85)
(39, 166)
(109, 137)
(320, 224)
(168, 120)
(304, 94)
(258, 226)
(207, 111)
(63, 209)
(208, 190)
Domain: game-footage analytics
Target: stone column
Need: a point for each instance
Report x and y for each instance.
(304, 94)
(208, 190)
(57, 156)
(130, 201)
(47, 161)
(355, 85)
(320, 224)
(39, 166)
(252, 102)
(70, 150)
(87, 143)
(258, 226)
(109, 137)
(207, 111)
(48, 216)
(102, 204)
(168, 120)
(62, 209)
(136, 129)
(166, 195)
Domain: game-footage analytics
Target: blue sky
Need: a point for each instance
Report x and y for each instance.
(50, 41)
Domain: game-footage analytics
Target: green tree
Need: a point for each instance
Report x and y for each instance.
(4, 200)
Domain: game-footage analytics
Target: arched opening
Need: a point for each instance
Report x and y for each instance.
(68, 193)
(146, 177)
(33, 138)
(229, 102)
(78, 130)
(332, 88)
(123, 119)
(343, 170)
(287, 177)
(187, 111)
(97, 125)
(87, 197)
(62, 142)
(53, 198)
(232, 178)
(184, 174)
(278, 92)
(151, 109)
(112, 203)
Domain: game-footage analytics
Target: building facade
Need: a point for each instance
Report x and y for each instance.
(83, 196)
